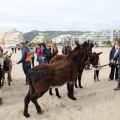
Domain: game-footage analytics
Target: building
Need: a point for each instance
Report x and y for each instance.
(40, 38)
(12, 37)
(101, 36)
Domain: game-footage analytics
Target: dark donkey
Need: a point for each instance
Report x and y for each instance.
(44, 76)
(81, 67)
(7, 68)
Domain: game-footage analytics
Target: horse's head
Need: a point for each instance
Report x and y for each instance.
(7, 62)
(93, 58)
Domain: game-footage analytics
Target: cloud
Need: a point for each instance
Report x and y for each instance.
(83, 15)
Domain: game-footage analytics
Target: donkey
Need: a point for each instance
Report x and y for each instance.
(80, 70)
(7, 68)
(44, 76)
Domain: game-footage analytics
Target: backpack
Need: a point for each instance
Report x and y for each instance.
(28, 56)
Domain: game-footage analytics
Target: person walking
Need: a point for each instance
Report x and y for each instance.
(114, 68)
(66, 49)
(25, 59)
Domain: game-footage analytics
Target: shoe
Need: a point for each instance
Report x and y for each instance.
(26, 84)
(109, 79)
(95, 80)
(98, 79)
(117, 88)
(116, 79)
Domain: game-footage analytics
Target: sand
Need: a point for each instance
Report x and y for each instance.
(96, 101)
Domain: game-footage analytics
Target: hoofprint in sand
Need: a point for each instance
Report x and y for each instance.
(96, 101)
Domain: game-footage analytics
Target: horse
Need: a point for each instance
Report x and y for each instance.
(44, 76)
(80, 70)
(7, 68)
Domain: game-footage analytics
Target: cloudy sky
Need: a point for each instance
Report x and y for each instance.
(82, 15)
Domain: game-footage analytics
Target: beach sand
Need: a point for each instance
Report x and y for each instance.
(96, 101)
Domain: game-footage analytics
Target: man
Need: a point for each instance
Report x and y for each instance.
(25, 59)
(89, 48)
(66, 49)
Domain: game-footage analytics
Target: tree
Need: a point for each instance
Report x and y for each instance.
(108, 43)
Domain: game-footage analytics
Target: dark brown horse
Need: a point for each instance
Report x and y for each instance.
(80, 70)
(44, 76)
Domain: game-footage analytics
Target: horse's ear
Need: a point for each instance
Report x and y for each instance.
(99, 53)
(77, 44)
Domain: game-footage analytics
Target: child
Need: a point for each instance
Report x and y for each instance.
(96, 72)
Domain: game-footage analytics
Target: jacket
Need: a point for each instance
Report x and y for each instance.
(66, 50)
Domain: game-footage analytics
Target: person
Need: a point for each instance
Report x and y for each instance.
(117, 58)
(114, 68)
(39, 54)
(25, 59)
(66, 49)
(32, 54)
(12, 49)
(89, 48)
(96, 71)
(54, 50)
(15, 49)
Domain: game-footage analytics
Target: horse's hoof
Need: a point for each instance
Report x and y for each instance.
(58, 96)
(26, 115)
(40, 112)
(76, 86)
(73, 98)
(80, 87)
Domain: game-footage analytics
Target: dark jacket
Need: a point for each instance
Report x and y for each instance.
(90, 46)
(112, 52)
(66, 50)
(24, 54)
(117, 56)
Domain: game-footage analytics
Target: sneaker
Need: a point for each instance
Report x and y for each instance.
(117, 88)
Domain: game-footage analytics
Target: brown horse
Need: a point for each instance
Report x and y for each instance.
(7, 68)
(80, 70)
(44, 76)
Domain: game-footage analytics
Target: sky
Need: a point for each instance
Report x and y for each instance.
(63, 15)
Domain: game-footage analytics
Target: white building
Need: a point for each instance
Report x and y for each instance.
(12, 37)
(101, 36)
(40, 38)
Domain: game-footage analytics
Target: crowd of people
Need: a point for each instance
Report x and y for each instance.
(44, 53)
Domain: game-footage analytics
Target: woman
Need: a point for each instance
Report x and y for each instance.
(114, 67)
(117, 58)
(39, 54)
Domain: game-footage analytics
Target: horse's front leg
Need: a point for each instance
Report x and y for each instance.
(3, 79)
(76, 83)
(79, 79)
(50, 91)
(9, 78)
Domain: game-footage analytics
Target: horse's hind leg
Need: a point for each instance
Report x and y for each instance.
(26, 102)
(34, 100)
(79, 80)
(57, 93)
(9, 79)
(76, 83)
(3, 79)
(71, 90)
(50, 91)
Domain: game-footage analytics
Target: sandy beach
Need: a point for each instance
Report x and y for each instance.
(96, 101)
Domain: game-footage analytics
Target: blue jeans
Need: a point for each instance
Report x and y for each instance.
(39, 59)
(119, 75)
(26, 67)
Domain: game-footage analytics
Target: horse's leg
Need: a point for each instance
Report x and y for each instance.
(68, 89)
(76, 83)
(50, 91)
(26, 102)
(3, 78)
(9, 79)
(71, 90)
(57, 93)
(79, 79)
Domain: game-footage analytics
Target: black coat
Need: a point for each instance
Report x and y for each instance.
(112, 52)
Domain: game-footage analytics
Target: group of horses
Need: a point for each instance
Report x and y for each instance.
(61, 70)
